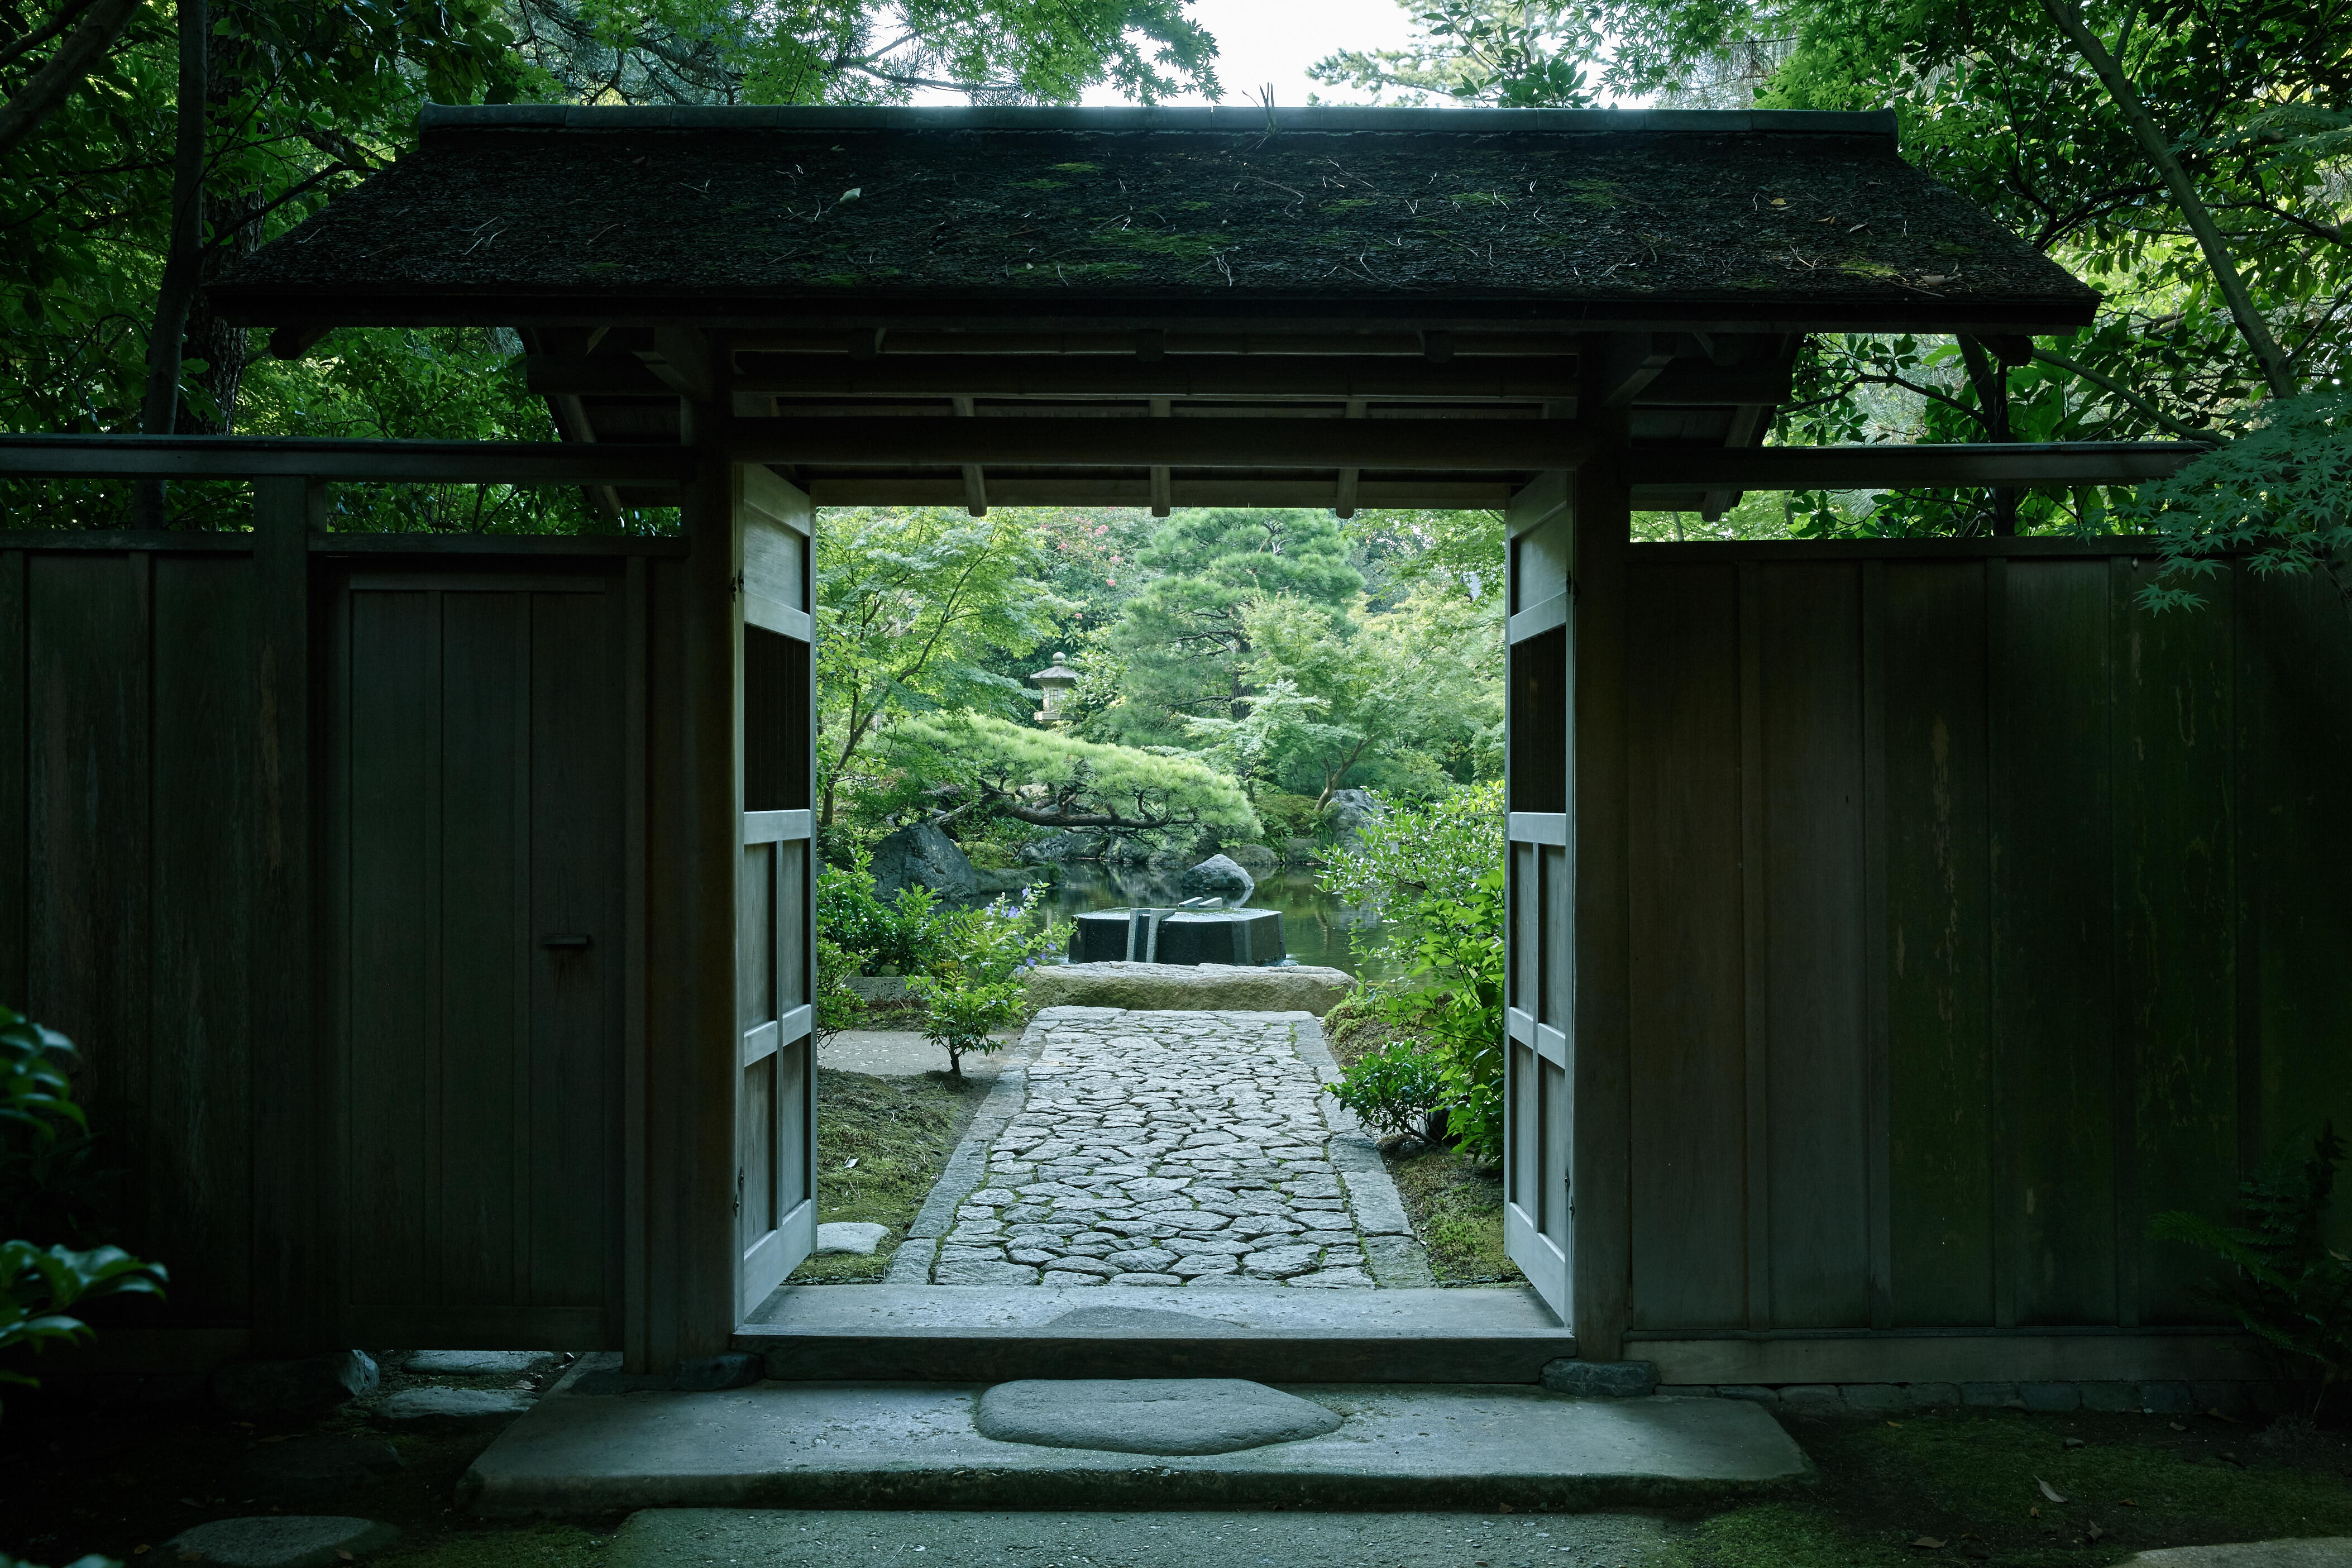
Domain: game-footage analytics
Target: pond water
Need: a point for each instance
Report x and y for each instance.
(1315, 926)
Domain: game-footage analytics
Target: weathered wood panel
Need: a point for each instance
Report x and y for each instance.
(2296, 666)
(1811, 857)
(2176, 923)
(2053, 881)
(198, 1186)
(1937, 957)
(2091, 904)
(1689, 1099)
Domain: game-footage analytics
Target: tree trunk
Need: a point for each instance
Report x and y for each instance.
(1990, 376)
(184, 263)
(233, 223)
(79, 55)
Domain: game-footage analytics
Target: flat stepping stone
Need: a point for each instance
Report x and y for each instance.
(452, 1407)
(478, 1363)
(1122, 1321)
(858, 1236)
(2333, 1552)
(1149, 1416)
(280, 1541)
(322, 1464)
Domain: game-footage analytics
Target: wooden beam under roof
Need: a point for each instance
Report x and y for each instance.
(1476, 445)
(1528, 380)
(1905, 467)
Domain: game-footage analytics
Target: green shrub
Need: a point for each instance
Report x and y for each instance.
(837, 1006)
(972, 984)
(38, 1284)
(2286, 1285)
(1288, 815)
(894, 938)
(1395, 1089)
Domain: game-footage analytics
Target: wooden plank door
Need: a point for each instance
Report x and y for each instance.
(775, 930)
(1539, 977)
(473, 887)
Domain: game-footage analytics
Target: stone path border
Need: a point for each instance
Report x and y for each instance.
(1392, 1257)
(911, 1263)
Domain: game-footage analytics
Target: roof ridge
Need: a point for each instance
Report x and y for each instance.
(1231, 120)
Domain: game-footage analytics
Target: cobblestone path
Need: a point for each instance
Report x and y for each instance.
(1169, 1149)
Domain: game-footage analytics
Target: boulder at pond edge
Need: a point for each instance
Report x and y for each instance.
(1218, 877)
(1189, 987)
(922, 856)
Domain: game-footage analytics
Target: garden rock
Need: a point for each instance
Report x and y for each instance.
(1149, 1416)
(1349, 811)
(320, 1466)
(478, 1363)
(717, 1373)
(1255, 858)
(1055, 847)
(1602, 1379)
(259, 1390)
(1301, 851)
(1189, 987)
(1218, 877)
(2331, 1552)
(922, 856)
(849, 1235)
(1005, 881)
(451, 1408)
(280, 1541)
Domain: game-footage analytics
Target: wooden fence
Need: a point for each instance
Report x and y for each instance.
(1977, 914)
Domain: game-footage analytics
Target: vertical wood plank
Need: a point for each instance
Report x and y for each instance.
(1601, 1111)
(575, 1057)
(483, 798)
(1755, 954)
(198, 1187)
(1999, 746)
(15, 766)
(2054, 889)
(633, 1293)
(2303, 661)
(85, 953)
(1813, 900)
(391, 911)
(1878, 1138)
(1937, 848)
(1689, 1083)
(295, 1275)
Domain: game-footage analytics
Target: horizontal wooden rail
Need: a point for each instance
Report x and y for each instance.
(1898, 467)
(1460, 445)
(1499, 445)
(306, 457)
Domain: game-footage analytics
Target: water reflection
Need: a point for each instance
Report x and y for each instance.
(1315, 926)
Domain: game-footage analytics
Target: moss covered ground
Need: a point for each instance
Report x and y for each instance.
(1967, 1485)
(1456, 1208)
(880, 1145)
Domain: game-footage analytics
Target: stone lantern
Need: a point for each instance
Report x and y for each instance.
(1054, 678)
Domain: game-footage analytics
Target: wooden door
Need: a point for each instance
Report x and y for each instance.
(473, 889)
(775, 1179)
(1539, 977)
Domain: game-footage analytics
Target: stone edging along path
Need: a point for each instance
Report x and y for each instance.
(1164, 1148)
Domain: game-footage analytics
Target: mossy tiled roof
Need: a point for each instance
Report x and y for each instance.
(1804, 219)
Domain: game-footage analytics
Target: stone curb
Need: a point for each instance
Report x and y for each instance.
(911, 1263)
(2150, 1398)
(1400, 1262)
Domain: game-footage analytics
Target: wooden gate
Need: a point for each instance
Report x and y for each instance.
(1539, 977)
(775, 1178)
(472, 884)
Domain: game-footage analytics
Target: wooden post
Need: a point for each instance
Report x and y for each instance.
(1600, 1152)
(293, 1280)
(695, 850)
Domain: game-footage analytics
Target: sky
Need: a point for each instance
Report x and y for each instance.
(1273, 41)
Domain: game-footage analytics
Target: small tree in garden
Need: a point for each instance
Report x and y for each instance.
(972, 986)
(969, 763)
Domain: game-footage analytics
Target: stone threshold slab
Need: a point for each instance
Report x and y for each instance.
(961, 1332)
(864, 1446)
